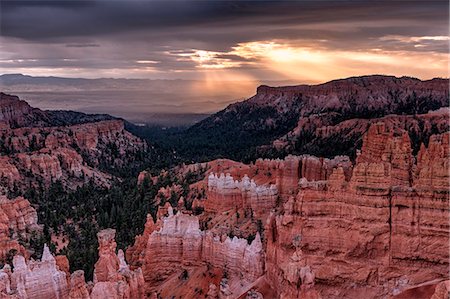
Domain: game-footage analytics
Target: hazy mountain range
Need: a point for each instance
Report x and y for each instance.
(162, 102)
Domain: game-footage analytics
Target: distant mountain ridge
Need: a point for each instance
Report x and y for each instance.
(18, 113)
(155, 101)
(295, 119)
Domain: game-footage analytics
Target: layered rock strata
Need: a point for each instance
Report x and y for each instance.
(17, 221)
(379, 231)
(339, 229)
(39, 148)
(225, 193)
(112, 276)
(179, 243)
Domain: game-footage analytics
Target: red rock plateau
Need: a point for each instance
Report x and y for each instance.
(331, 228)
(38, 152)
(323, 120)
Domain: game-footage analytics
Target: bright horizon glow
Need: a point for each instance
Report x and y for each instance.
(282, 59)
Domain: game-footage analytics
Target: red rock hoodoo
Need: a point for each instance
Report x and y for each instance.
(332, 228)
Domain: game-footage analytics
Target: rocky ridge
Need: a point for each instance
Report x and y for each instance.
(333, 228)
(322, 120)
(176, 242)
(35, 152)
(46, 279)
(18, 220)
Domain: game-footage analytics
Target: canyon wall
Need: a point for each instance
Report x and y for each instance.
(333, 228)
(41, 147)
(377, 232)
(47, 279)
(224, 193)
(65, 153)
(176, 242)
(18, 220)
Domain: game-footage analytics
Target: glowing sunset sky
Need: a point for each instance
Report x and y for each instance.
(302, 41)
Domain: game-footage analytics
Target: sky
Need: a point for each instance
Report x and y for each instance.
(213, 41)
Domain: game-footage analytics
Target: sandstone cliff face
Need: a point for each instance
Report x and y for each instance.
(225, 193)
(323, 120)
(17, 220)
(332, 228)
(112, 276)
(37, 150)
(14, 112)
(374, 229)
(179, 243)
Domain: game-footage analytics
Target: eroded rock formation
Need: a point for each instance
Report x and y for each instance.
(17, 220)
(225, 193)
(41, 146)
(179, 243)
(332, 228)
(112, 276)
(48, 278)
(34, 279)
(377, 228)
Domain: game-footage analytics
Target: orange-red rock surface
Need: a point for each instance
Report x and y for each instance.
(381, 230)
(36, 149)
(49, 278)
(17, 220)
(333, 228)
(34, 279)
(112, 276)
(55, 153)
(176, 242)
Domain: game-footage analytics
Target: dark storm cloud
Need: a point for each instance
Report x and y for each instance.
(36, 20)
(101, 34)
(82, 45)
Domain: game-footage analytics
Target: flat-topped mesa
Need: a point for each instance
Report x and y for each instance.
(375, 85)
(224, 193)
(112, 276)
(180, 243)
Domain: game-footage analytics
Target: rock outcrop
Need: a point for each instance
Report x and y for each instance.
(17, 220)
(48, 278)
(34, 279)
(78, 288)
(333, 228)
(112, 276)
(42, 148)
(179, 243)
(225, 193)
(375, 229)
(324, 120)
